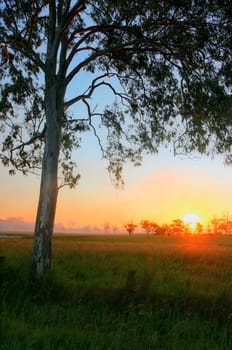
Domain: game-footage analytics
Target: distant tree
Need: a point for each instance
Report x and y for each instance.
(215, 225)
(177, 226)
(222, 225)
(130, 228)
(227, 225)
(167, 63)
(146, 225)
(155, 228)
(107, 227)
(165, 229)
(199, 227)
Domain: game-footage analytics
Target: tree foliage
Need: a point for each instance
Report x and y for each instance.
(162, 70)
(222, 225)
(130, 227)
(167, 63)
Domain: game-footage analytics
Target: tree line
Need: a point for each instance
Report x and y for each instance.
(222, 225)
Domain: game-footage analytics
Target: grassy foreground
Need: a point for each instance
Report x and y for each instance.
(182, 297)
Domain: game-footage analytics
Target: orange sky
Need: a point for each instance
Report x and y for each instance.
(164, 188)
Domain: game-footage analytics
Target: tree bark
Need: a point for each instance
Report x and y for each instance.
(42, 248)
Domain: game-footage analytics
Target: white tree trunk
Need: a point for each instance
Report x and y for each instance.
(42, 249)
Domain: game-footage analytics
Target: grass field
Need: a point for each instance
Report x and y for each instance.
(182, 297)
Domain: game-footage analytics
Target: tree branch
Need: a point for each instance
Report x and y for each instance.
(89, 92)
(29, 142)
(93, 128)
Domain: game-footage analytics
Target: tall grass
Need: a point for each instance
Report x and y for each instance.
(182, 297)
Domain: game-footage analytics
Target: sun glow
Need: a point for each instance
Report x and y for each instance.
(191, 220)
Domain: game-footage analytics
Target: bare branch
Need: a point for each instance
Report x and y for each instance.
(89, 92)
(93, 128)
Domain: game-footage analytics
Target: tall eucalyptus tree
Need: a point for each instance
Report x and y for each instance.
(167, 64)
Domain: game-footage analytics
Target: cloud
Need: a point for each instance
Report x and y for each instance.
(18, 224)
(88, 229)
(60, 228)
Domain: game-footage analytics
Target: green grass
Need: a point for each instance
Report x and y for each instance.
(182, 297)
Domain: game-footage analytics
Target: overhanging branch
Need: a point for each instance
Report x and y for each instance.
(89, 92)
(90, 114)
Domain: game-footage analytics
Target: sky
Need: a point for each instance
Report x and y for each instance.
(162, 189)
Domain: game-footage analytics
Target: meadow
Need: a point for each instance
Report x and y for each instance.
(181, 297)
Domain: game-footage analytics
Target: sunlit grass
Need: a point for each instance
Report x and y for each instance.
(182, 297)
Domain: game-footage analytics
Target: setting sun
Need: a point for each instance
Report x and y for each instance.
(191, 220)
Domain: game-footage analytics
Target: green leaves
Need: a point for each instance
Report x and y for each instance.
(167, 65)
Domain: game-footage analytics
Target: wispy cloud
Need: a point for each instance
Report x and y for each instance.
(18, 224)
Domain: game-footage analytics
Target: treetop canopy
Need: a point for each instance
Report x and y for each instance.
(166, 63)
